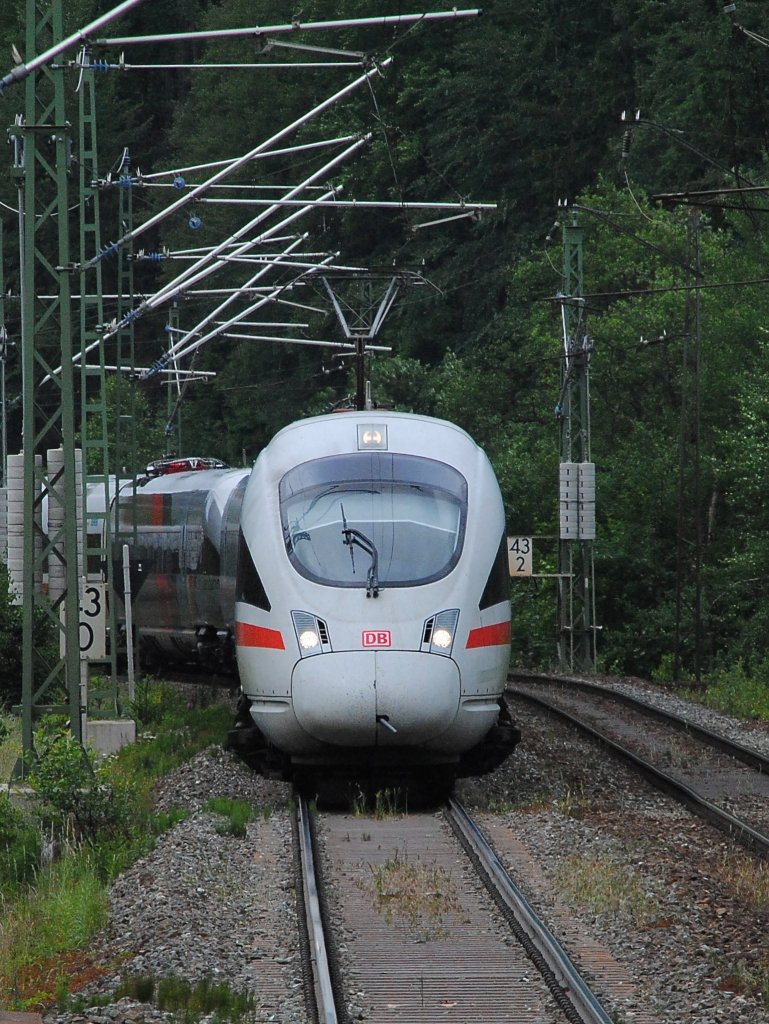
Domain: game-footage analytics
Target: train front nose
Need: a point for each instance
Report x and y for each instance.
(375, 698)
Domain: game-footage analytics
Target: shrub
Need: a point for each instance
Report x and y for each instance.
(737, 691)
(74, 792)
(154, 701)
(19, 847)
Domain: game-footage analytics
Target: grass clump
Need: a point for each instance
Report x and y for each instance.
(605, 888)
(235, 815)
(748, 879)
(10, 744)
(389, 802)
(20, 843)
(415, 895)
(187, 1001)
(746, 979)
(60, 913)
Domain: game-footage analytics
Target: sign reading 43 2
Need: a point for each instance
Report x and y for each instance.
(519, 554)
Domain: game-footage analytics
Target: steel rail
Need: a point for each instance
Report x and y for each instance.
(740, 831)
(571, 984)
(752, 758)
(319, 959)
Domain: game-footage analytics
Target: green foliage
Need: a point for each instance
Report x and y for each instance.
(135, 429)
(19, 847)
(101, 818)
(10, 643)
(44, 642)
(738, 692)
(236, 815)
(154, 701)
(187, 1001)
(519, 107)
(64, 910)
(73, 790)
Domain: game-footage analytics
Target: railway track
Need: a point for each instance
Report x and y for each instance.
(724, 782)
(429, 926)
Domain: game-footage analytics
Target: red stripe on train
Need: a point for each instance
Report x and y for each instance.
(490, 636)
(247, 635)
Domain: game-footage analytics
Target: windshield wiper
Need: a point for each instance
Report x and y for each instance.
(356, 538)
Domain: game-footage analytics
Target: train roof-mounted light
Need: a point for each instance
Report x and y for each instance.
(372, 437)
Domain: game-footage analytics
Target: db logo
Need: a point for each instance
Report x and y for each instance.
(377, 638)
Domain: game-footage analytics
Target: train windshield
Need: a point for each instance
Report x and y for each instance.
(410, 513)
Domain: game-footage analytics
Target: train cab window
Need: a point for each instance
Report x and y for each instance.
(406, 512)
(497, 587)
(249, 586)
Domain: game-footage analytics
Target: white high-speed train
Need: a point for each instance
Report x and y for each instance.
(359, 572)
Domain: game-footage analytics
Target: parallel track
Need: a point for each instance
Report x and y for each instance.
(741, 831)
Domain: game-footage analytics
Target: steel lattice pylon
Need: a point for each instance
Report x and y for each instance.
(51, 677)
(576, 592)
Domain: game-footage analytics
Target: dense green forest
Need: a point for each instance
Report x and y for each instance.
(521, 107)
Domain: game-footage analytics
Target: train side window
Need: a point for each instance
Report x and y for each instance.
(209, 559)
(249, 587)
(497, 587)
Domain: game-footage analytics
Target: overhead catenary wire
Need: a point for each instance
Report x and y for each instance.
(260, 66)
(313, 342)
(360, 204)
(259, 31)
(181, 284)
(236, 164)
(199, 342)
(23, 70)
(340, 140)
(203, 267)
(702, 285)
(210, 318)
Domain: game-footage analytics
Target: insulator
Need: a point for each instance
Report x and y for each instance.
(125, 181)
(627, 141)
(108, 250)
(179, 182)
(194, 223)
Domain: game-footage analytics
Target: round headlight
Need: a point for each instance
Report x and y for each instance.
(442, 638)
(308, 639)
